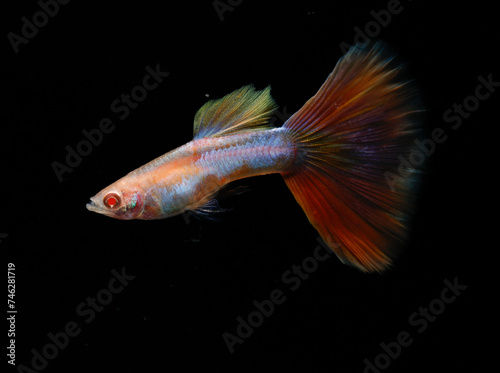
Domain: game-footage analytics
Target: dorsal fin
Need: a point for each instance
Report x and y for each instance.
(242, 110)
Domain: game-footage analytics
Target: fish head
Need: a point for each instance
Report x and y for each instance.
(118, 201)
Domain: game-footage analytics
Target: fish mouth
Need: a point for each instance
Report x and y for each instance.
(92, 206)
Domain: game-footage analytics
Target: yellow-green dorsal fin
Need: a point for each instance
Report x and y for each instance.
(240, 111)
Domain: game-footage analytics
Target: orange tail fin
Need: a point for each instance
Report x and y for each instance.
(348, 136)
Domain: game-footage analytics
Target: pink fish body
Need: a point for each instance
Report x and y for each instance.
(335, 154)
(189, 177)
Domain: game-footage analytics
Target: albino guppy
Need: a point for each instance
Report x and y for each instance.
(335, 155)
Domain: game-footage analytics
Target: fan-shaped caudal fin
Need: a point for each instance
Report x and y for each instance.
(349, 136)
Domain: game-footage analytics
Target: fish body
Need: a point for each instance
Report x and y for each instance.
(188, 177)
(335, 155)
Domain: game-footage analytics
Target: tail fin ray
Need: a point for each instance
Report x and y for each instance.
(348, 136)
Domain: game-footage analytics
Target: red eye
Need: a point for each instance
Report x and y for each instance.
(111, 200)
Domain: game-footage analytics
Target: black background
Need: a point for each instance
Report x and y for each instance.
(194, 278)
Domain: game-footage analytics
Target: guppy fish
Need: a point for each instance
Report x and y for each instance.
(338, 155)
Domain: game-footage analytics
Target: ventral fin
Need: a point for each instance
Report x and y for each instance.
(210, 211)
(240, 111)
